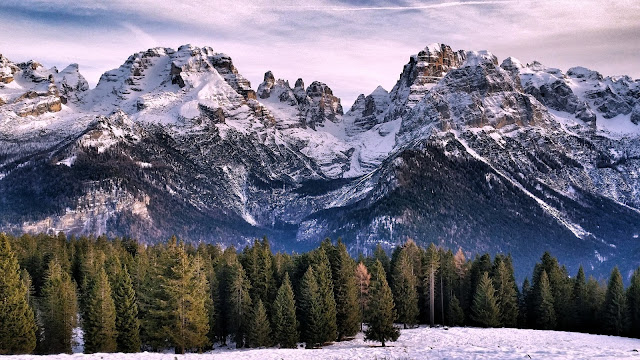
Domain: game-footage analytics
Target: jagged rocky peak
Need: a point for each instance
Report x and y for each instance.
(164, 70)
(278, 89)
(28, 88)
(368, 110)
(551, 87)
(478, 93)
(580, 72)
(418, 76)
(264, 89)
(71, 84)
(7, 69)
(320, 104)
(193, 59)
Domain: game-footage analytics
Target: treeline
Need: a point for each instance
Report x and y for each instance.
(128, 297)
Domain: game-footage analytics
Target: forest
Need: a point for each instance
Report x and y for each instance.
(131, 297)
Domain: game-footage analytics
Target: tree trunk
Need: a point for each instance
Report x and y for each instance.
(431, 297)
(441, 298)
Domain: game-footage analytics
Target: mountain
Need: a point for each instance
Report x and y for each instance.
(464, 151)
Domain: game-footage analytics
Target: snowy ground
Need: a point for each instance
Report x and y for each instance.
(426, 343)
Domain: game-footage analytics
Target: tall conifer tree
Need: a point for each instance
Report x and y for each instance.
(615, 306)
(544, 312)
(485, 311)
(633, 303)
(363, 279)
(431, 264)
(259, 334)
(346, 294)
(381, 314)
(127, 323)
(18, 329)
(285, 324)
(99, 321)
(506, 292)
(59, 310)
(311, 309)
(322, 272)
(405, 290)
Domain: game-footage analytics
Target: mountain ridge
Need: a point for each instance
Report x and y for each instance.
(177, 141)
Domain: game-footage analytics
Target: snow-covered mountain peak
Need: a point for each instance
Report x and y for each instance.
(423, 71)
(477, 58)
(580, 72)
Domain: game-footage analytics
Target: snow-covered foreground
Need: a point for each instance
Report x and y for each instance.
(426, 343)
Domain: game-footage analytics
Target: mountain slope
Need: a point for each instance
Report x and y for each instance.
(461, 152)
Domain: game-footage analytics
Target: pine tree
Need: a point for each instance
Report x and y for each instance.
(99, 321)
(238, 303)
(633, 303)
(363, 279)
(381, 255)
(17, 322)
(188, 290)
(127, 323)
(544, 312)
(579, 295)
(285, 325)
(455, 314)
(615, 306)
(506, 292)
(259, 331)
(523, 304)
(381, 309)
(405, 290)
(431, 264)
(346, 294)
(484, 310)
(595, 301)
(312, 318)
(322, 271)
(59, 310)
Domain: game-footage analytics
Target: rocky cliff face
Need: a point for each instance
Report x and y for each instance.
(463, 151)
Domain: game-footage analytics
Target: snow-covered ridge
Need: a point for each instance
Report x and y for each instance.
(188, 127)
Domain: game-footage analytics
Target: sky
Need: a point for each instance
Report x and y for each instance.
(352, 45)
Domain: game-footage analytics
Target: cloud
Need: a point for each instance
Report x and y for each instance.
(352, 45)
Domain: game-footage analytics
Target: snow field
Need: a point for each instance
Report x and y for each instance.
(423, 343)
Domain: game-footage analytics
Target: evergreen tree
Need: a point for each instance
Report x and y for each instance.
(405, 290)
(346, 294)
(478, 267)
(595, 301)
(238, 303)
(455, 314)
(523, 301)
(544, 314)
(381, 309)
(322, 271)
(579, 295)
(285, 325)
(431, 264)
(381, 255)
(363, 279)
(128, 339)
(59, 310)
(99, 321)
(633, 303)
(17, 322)
(615, 306)
(485, 311)
(259, 334)
(506, 292)
(561, 289)
(312, 317)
